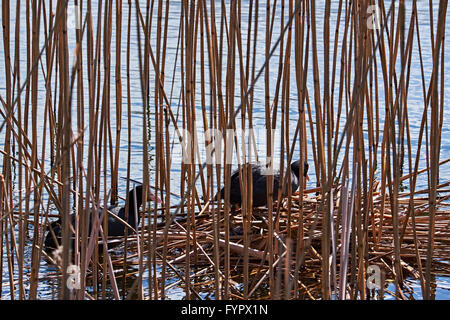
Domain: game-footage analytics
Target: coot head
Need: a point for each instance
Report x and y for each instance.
(295, 167)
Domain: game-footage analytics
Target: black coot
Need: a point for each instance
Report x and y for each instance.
(259, 178)
(115, 227)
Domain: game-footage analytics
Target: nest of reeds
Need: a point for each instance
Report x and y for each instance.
(287, 253)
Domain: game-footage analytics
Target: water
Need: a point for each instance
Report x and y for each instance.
(415, 97)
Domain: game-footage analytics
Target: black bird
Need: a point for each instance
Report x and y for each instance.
(259, 178)
(115, 227)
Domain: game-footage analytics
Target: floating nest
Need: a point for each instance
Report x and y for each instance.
(250, 253)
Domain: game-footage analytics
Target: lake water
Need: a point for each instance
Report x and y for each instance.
(415, 95)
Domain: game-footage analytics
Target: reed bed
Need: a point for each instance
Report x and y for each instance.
(332, 89)
(380, 250)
